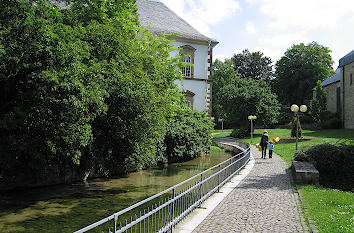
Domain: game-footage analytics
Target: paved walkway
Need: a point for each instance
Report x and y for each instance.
(264, 201)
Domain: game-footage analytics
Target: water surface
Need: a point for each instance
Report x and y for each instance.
(66, 208)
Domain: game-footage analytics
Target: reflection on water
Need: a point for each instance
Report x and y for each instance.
(34, 209)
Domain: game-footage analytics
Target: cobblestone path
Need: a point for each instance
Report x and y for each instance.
(263, 202)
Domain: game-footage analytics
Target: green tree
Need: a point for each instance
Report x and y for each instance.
(244, 97)
(188, 134)
(47, 102)
(236, 97)
(223, 74)
(298, 71)
(86, 87)
(253, 65)
(318, 104)
(81, 86)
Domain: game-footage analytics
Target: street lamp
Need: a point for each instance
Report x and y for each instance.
(251, 118)
(222, 123)
(295, 109)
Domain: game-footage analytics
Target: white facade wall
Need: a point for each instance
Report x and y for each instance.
(199, 88)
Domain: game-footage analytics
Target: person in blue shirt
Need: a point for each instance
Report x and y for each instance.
(271, 148)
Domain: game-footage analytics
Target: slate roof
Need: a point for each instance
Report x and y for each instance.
(332, 79)
(164, 21)
(347, 59)
(61, 4)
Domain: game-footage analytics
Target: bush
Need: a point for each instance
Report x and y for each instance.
(240, 133)
(330, 121)
(335, 164)
(306, 119)
(188, 134)
(285, 116)
(333, 123)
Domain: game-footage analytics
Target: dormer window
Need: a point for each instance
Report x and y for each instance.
(187, 52)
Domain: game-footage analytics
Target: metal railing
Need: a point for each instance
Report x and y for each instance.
(161, 212)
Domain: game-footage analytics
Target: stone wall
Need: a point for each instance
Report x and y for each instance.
(331, 92)
(349, 95)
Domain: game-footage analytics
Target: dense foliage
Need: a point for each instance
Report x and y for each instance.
(82, 86)
(334, 163)
(298, 71)
(223, 73)
(188, 134)
(253, 65)
(236, 98)
(241, 132)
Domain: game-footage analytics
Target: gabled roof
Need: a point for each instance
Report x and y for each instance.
(163, 20)
(347, 59)
(332, 79)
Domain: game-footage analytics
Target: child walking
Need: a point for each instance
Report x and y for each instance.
(271, 148)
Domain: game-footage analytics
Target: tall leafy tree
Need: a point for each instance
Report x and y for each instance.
(81, 86)
(298, 71)
(236, 97)
(48, 100)
(223, 73)
(253, 65)
(244, 97)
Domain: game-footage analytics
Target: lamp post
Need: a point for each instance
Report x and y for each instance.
(295, 109)
(222, 123)
(251, 118)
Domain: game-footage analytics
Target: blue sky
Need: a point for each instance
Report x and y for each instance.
(271, 26)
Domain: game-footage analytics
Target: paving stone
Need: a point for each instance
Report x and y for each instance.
(263, 202)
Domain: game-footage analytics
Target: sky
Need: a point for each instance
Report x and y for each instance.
(270, 26)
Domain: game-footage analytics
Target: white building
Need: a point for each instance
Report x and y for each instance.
(197, 81)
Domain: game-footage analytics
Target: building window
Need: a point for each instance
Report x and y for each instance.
(187, 52)
(351, 79)
(189, 98)
(187, 70)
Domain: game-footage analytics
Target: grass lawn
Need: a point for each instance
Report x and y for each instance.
(287, 150)
(332, 210)
(221, 133)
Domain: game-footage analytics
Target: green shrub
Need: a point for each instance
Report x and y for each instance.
(306, 119)
(334, 163)
(285, 116)
(188, 134)
(240, 133)
(333, 123)
(330, 121)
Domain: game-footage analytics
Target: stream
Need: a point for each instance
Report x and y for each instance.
(66, 208)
